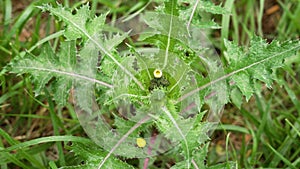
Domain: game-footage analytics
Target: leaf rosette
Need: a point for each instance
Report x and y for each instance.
(161, 110)
(117, 96)
(151, 83)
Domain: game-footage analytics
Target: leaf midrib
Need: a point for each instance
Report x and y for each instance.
(72, 74)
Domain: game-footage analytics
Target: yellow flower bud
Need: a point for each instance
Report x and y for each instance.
(141, 142)
(157, 73)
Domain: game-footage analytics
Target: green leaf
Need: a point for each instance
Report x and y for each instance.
(62, 68)
(115, 40)
(89, 157)
(80, 24)
(242, 81)
(165, 24)
(79, 19)
(123, 126)
(210, 7)
(206, 5)
(179, 165)
(107, 67)
(47, 66)
(77, 28)
(236, 97)
(195, 8)
(61, 90)
(171, 7)
(206, 24)
(88, 59)
(96, 24)
(199, 156)
(233, 53)
(227, 165)
(198, 135)
(258, 63)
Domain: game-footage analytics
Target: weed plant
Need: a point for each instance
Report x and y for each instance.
(145, 82)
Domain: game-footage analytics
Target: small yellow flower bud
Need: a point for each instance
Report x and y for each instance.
(157, 73)
(141, 142)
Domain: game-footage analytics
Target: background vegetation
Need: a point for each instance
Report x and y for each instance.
(261, 133)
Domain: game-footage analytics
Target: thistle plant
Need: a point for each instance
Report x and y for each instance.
(152, 88)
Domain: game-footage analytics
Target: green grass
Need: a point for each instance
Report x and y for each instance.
(263, 133)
